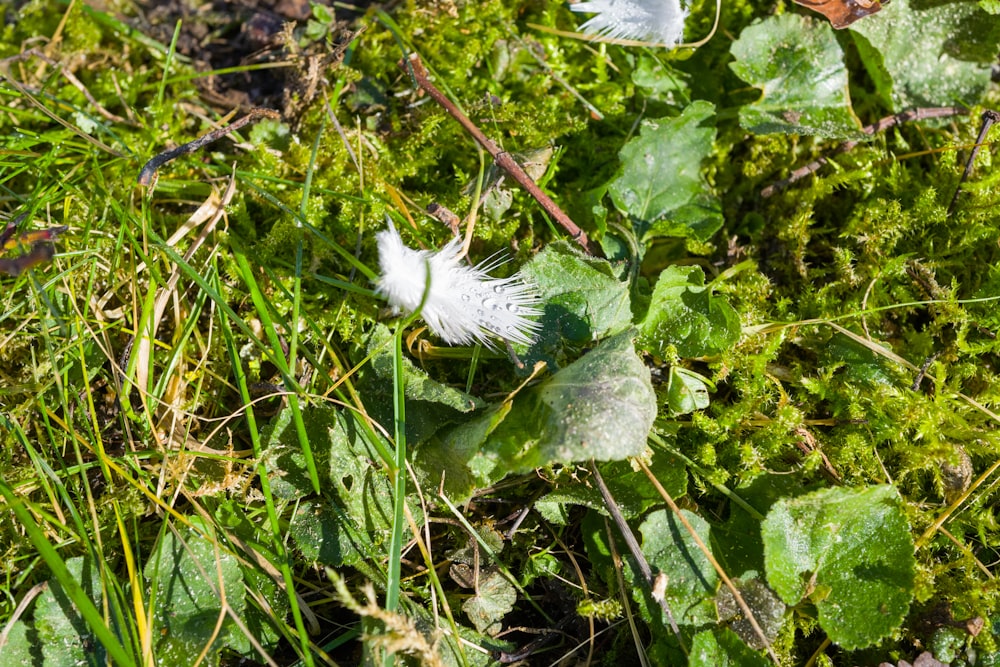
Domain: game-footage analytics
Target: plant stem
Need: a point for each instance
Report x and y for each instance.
(989, 117)
(501, 157)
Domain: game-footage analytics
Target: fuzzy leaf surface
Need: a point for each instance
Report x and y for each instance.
(799, 67)
(599, 407)
(494, 600)
(686, 391)
(583, 297)
(915, 59)
(684, 313)
(661, 188)
(633, 493)
(62, 632)
(191, 575)
(850, 552)
(358, 499)
(722, 648)
(691, 579)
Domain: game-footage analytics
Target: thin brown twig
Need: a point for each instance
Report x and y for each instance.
(633, 547)
(148, 174)
(989, 117)
(502, 158)
(878, 126)
(744, 607)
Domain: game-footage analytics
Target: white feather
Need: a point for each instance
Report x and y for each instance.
(660, 21)
(465, 304)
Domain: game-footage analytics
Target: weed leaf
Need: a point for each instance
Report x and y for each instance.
(850, 552)
(661, 188)
(684, 314)
(799, 66)
(915, 59)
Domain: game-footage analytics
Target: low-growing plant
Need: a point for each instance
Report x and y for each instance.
(740, 407)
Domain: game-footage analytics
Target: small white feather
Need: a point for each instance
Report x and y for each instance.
(660, 21)
(465, 304)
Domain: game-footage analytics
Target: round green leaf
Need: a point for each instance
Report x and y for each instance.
(684, 313)
(584, 300)
(915, 59)
(599, 407)
(686, 391)
(722, 648)
(661, 187)
(799, 66)
(691, 579)
(850, 552)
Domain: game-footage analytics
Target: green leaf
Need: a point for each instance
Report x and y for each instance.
(850, 552)
(767, 609)
(320, 534)
(799, 66)
(418, 385)
(23, 647)
(860, 363)
(190, 575)
(661, 188)
(493, 600)
(686, 391)
(584, 298)
(684, 313)
(917, 59)
(599, 407)
(633, 492)
(321, 13)
(358, 494)
(453, 460)
(61, 631)
(722, 648)
(691, 579)
(738, 539)
(660, 80)
(429, 403)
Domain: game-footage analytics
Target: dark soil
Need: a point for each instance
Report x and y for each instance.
(218, 35)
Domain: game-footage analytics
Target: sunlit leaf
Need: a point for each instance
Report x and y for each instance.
(722, 648)
(849, 552)
(915, 59)
(584, 299)
(683, 313)
(661, 187)
(690, 578)
(633, 492)
(63, 635)
(493, 600)
(358, 495)
(799, 67)
(191, 577)
(599, 407)
(686, 391)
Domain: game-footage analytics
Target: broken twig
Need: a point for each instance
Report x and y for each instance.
(502, 158)
(148, 174)
(989, 117)
(878, 126)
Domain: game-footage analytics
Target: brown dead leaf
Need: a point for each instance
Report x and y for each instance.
(842, 13)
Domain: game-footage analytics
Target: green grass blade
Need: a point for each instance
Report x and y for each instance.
(62, 574)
